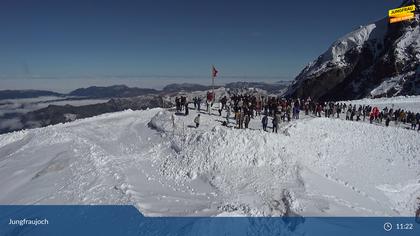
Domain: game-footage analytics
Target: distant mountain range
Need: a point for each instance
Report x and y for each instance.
(116, 91)
(17, 94)
(111, 92)
(123, 91)
(186, 87)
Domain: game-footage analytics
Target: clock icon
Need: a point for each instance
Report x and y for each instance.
(387, 226)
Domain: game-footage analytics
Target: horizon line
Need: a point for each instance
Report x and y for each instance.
(280, 77)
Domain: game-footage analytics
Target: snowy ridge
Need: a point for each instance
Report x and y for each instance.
(335, 56)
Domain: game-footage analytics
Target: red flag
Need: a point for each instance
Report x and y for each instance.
(214, 72)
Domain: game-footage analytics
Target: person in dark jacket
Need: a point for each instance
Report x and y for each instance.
(387, 120)
(265, 122)
(418, 121)
(197, 121)
(275, 123)
(187, 111)
(247, 119)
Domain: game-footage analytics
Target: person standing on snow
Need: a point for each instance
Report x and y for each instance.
(348, 114)
(208, 107)
(247, 119)
(195, 102)
(198, 103)
(358, 114)
(178, 104)
(318, 110)
(338, 110)
(364, 112)
(413, 123)
(173, 121)
(227, 114)
(418, 121)
(241, 119)
(221, 106)
(223, 102)
(275, 123)
(264, 122)
(387, 120)
(288, 111)
(197, 121)
(353, 113)
(371, 117)
(238, 117)
(187, 111)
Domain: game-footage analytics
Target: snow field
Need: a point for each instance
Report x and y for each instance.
(166, 167)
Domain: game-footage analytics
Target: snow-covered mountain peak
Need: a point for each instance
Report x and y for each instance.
(363, 60)
(355, 39)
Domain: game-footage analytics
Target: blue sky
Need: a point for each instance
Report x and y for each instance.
(174, 38)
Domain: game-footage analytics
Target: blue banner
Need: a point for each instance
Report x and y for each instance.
(127, 220)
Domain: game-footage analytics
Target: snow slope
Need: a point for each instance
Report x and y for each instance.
(313, 167)
(407, 103)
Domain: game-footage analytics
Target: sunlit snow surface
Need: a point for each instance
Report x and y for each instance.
(313, 167)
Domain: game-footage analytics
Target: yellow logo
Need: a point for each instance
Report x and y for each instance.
(401, 14)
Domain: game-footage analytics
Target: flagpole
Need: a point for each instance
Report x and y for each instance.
(212, 83)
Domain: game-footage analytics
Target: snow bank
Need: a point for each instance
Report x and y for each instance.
(340, 165)
(163, 121)
(249, 168)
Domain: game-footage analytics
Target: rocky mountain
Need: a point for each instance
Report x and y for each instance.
(376, 60)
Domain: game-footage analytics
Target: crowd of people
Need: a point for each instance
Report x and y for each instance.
(242, 108)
